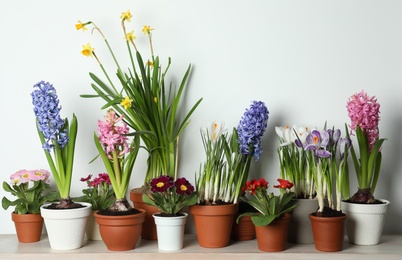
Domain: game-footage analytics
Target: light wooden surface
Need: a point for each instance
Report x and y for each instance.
(389, 248)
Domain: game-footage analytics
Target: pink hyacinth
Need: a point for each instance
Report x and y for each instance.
(364, 111)
(111, 136)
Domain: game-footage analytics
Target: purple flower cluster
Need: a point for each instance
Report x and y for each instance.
(251, 128)
(47, 112)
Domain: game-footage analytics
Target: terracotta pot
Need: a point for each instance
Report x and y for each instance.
(365, 222)
(244, 230)
(213, 224)
(328, 233)
(120, 233)
(28, 227)
(273, 237)
(149, 227)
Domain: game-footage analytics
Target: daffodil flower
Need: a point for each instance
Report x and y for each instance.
(81, 25)
(130, 36)
(147, 29)
(126, 102)
(87, 50)
(126, 16)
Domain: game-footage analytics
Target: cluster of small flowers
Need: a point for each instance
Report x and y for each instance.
(24, 176)
(112, 136)
(47, 112)
(103, 178)
(364, 111)
(251, 129)
(164, 183)
(262, 185)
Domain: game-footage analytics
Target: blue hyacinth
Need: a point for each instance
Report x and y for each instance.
(47, 112)
(251, 128)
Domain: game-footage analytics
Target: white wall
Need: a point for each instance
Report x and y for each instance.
(302, 58)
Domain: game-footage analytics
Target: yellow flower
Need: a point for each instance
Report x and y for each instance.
(130, 36)
(147, 29)
(126, 102)
(80, 25)
(126, 16)
(87, 50)
(150, 63)
(155, 99)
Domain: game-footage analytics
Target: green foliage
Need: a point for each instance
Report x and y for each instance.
(29, 199)
(170, 203)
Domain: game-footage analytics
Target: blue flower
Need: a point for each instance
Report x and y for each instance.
(47, 112)
(251, 128)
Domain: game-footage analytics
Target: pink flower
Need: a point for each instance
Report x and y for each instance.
(113, 137)
(24, 176)
(364, 111)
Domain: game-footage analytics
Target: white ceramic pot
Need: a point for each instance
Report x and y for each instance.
(300, 231)
(66, 227)
(92, 230)
(365, 222)
(170, 232)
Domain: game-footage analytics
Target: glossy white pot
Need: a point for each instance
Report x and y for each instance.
(365, 222)
(170, 232)
(66, 227)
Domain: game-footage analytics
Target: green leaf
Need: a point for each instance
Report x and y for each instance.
(262, 220)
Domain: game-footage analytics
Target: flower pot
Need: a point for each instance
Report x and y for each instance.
(244, 230)
(170, 231)
(148, 227)
(120, 233)
(28, 227)
(66, 227)
(365, 222)
(213, 224)
(92, 230)
(300, 231)
(273, 237)
(328, 232)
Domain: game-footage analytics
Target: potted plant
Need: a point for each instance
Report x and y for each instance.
(149, 105)
(327, 158)
(363, 208)
(30, 187)
(294, 167)
(101, 196)
(120, 225)
(58, 138)
(272, 218)
(170, 197)
(224, 172)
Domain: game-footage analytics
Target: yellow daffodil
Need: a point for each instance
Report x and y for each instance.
(80, 25)
(126, 16)
(130, 36)
(150, 63)
(147, 29)
(155, 99)
(126, 102)
(87, 50)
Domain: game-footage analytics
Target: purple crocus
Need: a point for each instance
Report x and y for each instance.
(344, 146)
(317, 141)
(47, 112)
(251, 128)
